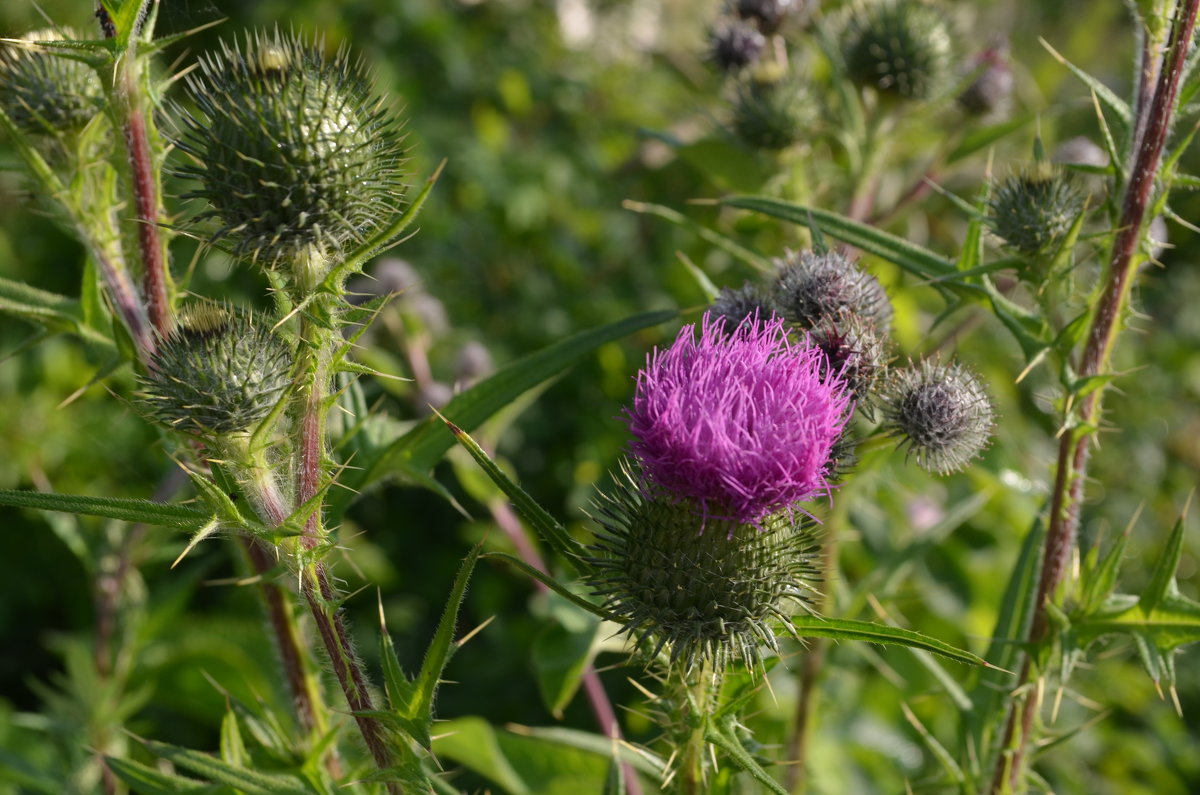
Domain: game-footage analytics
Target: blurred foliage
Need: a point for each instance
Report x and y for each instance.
(549, 115)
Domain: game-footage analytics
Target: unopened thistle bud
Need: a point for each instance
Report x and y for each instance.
(736, 45)
(855, 352)
(941, 412)
(768, 15)
(812, 289)
(1032, 210)
(900, 48)
(45, 93)
(735, 305)
(989, 96)
(703, 589)
(297, 160)
(219, 372)
(772, 115)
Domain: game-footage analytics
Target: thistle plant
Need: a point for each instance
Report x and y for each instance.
(851, 536)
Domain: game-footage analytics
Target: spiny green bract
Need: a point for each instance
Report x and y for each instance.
(901, 48)
(941, 412)
(1033, 209)
(296, 158)
(702, 587)
(219, 372)
(44, 93)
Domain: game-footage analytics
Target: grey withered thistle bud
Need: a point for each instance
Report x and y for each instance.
(989, 96)
(737, 304)
(702, 588)
(941, 412)
(900, 48)
(856, 352)
(220, 371)
(44, 93)
(297, 159)
(735, 45)
(772, 114)
(812, 288)
(1032, 210)
(769, 15)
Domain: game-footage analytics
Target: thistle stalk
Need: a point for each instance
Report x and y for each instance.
(1075, 445)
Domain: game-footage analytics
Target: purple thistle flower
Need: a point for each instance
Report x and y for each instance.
(742, 423)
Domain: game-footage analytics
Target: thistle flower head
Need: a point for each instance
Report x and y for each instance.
(941, 412)
(989, 96)
(857, 353)
(900, 48)
(219, 372)
(703, 589)
(768, 15)
(740, 424)
(812, 289)
(771, 115)
(295, 157)
(1032, 210)
(736, 45)
(44, 93)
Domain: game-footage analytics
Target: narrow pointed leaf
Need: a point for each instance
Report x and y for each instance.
(722, 242)
(984, 137)
(251, 782)
(554, 585)
(548, 528)
(1162, 580)
(146, 780)
(233, 749)
(909, 256)
(126, 510)
(850, 629)
(723, 736)
(1103, 92)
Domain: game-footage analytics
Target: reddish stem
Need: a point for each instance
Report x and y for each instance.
(1074, 447)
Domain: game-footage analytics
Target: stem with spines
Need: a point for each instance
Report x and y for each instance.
(1154, 123)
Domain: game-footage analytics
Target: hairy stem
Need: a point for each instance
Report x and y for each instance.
(697, 706)
(1074, 447)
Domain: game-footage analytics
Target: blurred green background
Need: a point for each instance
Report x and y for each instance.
(549, 115)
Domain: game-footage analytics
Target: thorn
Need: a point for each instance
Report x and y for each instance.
(463, 640)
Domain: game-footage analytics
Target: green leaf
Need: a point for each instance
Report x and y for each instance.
(151, 781)
(411, 701)
(554, 585)
(850, 629)
(251, 782)
(126, 510)
(983, 137)
(728, 245)
(1103, 92)
(641, 759)
(49, 310)
(233, 749)
(909, 256)
(561, 653)
(723, 735)
(550, 530)
(418, 450)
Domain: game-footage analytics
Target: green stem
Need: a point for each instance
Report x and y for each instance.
(698, 694)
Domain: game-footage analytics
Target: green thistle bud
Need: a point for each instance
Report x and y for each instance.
(219, 372)
(812, 289)
(942, 413)
(703, 588)
(900, 48)
(772, 115)
(735, 305)
(296, 158)
(1032, 210)
(44, 93)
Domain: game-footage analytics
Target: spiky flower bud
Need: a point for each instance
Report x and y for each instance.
(736, 45)
(705, 589)
(738, 424)
(812, 289)
(769, 15)
(44, 93)
(941, 412)
(855, 352)
(772, 115)
(297, 160)
(736, 305)
(219, 372)
(989, 96)
(900, 48)
(1032, 210)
